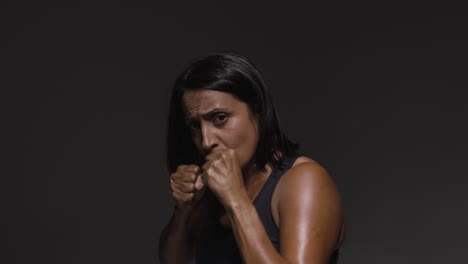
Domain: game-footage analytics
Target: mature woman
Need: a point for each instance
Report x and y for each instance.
(241, 191)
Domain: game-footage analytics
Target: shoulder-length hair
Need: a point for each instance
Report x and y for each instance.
(234, 74)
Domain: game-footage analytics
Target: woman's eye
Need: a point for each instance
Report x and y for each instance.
(219, 119)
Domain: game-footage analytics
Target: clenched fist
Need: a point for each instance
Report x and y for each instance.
(187, 186)
(223, 175)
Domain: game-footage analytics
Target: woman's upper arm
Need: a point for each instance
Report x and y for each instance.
(310, 214)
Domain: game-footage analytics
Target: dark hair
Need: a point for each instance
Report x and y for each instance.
(229, 73)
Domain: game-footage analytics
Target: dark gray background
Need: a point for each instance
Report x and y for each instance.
(372, 90)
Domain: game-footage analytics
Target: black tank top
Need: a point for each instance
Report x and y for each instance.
(217, 244)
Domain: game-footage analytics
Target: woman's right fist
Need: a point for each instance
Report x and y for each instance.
(186, 186)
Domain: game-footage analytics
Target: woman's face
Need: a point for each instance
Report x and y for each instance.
(219, 120)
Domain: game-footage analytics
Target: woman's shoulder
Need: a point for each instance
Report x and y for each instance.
(306, 173)
(304, 166)
(307, 191)
(303, 159)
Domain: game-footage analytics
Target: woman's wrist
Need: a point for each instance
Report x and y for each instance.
(238, 203)
(182, 214)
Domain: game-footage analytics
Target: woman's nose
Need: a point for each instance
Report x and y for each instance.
(209, 139)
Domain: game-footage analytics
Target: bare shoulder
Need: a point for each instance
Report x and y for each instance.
(306, 198)
(306, 173)
(306, 185)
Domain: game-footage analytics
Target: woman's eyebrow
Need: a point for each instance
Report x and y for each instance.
(213, 111)
(207, 114)
(190, 118)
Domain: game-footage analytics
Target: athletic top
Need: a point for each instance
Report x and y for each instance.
(217, 243)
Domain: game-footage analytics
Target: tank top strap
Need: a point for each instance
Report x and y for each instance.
(284, 165)
(262, 201)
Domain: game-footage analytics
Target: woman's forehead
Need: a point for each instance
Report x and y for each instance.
(203, 101)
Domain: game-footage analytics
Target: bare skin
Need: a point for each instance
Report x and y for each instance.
(306, 205)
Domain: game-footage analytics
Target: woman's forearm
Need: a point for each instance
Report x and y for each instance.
(175, 245)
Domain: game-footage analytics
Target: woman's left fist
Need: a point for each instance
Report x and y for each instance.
(223, 175)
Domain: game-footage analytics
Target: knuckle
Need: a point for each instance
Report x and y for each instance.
(192, 167)
(174, 188)
(188, 177)
(187, 187)
(229, 153)
(217, 163)
(192, 177)
(191, 187)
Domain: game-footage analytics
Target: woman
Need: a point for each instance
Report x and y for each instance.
(242, 193)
